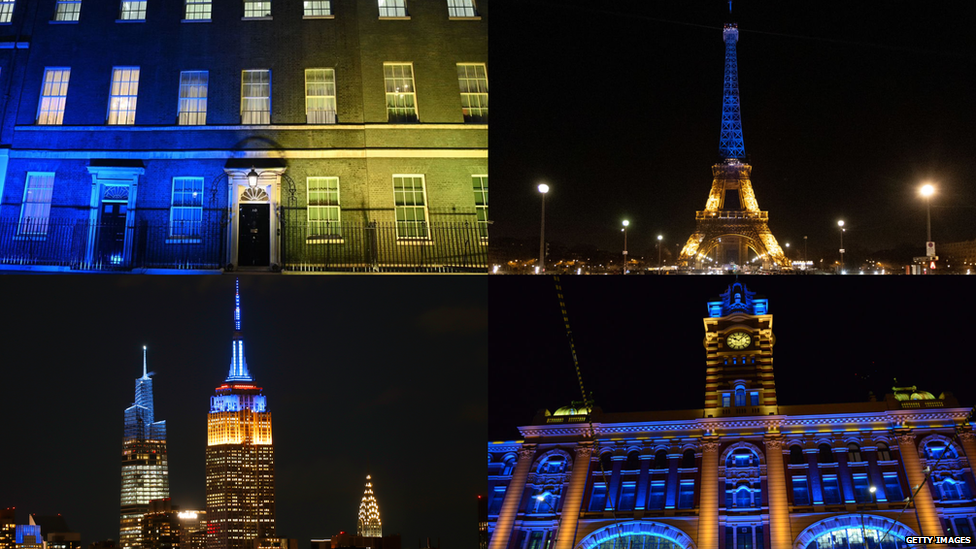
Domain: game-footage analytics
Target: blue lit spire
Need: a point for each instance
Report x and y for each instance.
(238, 364)
(140, 422)
(731, 144)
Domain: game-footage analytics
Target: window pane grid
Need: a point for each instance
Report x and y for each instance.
(256, 97)
(193, 98)
(122, 103)
(53, 93)
(317, 8)
(473, 82)
(320, 101)
(411, 209)
(186, 213)
(401, 100)
(36, 208)
(393, 8)
(324, 216)
(133, 11)
(67, 10)
(198, 9)
(257, 9)
(6, 10)
(480, 183)
(461, 8)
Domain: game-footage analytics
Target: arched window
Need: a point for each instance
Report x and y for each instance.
(934, 449)
(826, 454)
(552, 465)
(633, 461)
(884, 454)
(740, 396)
(743, 497)
(688, 459)
(949, 490)
(661, 460)
(853, 452)
(742, 457)
(509, 465)
(606, 461)
(796, 455)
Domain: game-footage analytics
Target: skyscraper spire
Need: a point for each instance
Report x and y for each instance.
(731, 145)
(238, 364)
(144, 375)
(369, 514)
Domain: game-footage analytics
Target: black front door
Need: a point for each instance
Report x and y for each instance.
(254, 243)
(111, 235)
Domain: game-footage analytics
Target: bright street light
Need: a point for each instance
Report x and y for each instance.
(543, 189)
(841, 225)
(927, 191)
(625, 245)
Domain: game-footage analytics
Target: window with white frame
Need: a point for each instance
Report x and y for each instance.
(50, 109)
(317, 8)
(324, 215)
(256, 97)
(186, 213)
(461, 8)
(410, 200)
(193, 98)
(67, 10)
(122, 101)
(481, 203)
(401, 97)
(256, 9)
(133, 11)
(36, 208)
(6, 10)
(473, 81)
(197, 10)
(393, 8)
(320, 100)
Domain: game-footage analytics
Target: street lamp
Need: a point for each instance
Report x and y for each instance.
(787, 252)
(659, 239)
(543, 189)
(841, 225)
(927, 191)
(805, 254)
(625, 244)
(542, 498)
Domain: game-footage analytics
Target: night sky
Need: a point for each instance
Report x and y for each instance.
(639, 341)
(846, 108)
(384, 375)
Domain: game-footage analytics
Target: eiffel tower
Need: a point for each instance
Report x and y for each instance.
(732, 223)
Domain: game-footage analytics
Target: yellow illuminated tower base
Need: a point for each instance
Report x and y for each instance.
(725, 236)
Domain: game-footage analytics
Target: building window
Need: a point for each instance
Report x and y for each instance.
(193, 98)
(796, 455)
(598, 501)
(401, 97)
(122, 102)
(661, 460)
(853, 452)
(826, 454)
(256, 9)
(186, 213)
(628, 494)
(320, 100)
(393, 8)
(497, 497)
(688, 459)
(606, 461)
(743, 537)
(7, 10)
(686, 494)
(53, 93)
(410, 200)
(740, 394)
(884, 453)
(461, 8)
(893, 487)
(256, 97)
(754, 398)
(318, 8)
(67, 10)
(831, 490)
(198, 10)
(324, 216)
(133, 11)
(801, 496)
(962, 528)
(862, 493)
(657, 495)
(473, 81)
(633, 461)
(535, 540)
(481, 203)
(726, 400)
(36, 208)
(743, 497)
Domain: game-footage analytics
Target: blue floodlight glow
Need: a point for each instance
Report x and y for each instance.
(238, 364)
(22, 530)
(236, 403)
(237, 305)
(731, 144)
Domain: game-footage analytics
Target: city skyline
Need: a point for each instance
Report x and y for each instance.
(338, 401)
(846, 111)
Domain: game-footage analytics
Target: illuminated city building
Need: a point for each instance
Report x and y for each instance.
(316, 135)
(240, 457)
(145, 473)
(28, 536)
(370, 525)
(8, 523)
(164, 526)
(745, 471)
(731, 224)
(55, 532)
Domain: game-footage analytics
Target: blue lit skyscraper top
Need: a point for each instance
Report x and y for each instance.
(238, 364)
(731, 144)
(139, 418)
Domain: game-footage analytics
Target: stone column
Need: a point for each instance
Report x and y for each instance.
(928, 518)
(780, 534)
(573, 497)
(708, 503)
(813, 472)
(844, 475)
(513, 495)
(613, 490)
(968, 440)
(874, 473)
(643, 485)
(671, 494)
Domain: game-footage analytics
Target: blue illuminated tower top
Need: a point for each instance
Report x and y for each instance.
(139, 424)
(731, 145)
(737, 298)
(238, 364)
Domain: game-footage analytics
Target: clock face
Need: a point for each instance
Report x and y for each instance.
(738, 340)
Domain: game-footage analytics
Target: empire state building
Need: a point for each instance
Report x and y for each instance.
(240, 456)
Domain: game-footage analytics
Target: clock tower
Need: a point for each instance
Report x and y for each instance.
(739, 355)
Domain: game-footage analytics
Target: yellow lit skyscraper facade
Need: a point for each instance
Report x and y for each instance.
(369, 514)
(240, 457)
